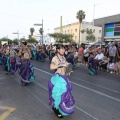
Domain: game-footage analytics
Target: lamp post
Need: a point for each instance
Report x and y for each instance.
(42, 29)
(48, 31)
(94, 11)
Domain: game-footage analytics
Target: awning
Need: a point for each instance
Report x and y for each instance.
(112, 39)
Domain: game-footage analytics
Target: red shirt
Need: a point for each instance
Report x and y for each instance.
(80, 51)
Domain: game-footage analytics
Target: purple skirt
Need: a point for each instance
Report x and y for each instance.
(26, 72)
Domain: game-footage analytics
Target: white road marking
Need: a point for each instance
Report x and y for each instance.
(96, 85)
(92, 83)
(46, 104)
(75, 106)
(100, 93)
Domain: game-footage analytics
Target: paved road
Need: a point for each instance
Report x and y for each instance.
(97, 97)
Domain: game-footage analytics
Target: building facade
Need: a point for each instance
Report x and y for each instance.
(46, 39)
(110, 27)
(74, 30)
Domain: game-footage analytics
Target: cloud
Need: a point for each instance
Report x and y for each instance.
(15, 1)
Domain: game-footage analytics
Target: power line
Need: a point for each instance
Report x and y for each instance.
(17, 16)
(25, 17)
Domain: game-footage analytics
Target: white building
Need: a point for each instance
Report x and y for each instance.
(46, 39)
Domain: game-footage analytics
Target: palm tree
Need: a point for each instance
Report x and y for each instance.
(80, 16)
(40, 31)
(32, 30)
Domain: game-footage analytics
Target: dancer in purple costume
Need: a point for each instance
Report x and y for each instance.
(92, 65)
(59, 86)
(26, 71)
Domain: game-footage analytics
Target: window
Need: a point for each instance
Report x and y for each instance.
(68, 31)
(71, 31)
(65, 32)
(99, 31)
(75, 30)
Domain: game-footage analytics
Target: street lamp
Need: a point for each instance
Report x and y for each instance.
(94, 11)
(48, 31)
(42, 29)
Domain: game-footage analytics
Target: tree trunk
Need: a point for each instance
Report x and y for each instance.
(31, 34)
(79, 33)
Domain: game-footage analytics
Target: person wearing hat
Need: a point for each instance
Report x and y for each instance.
(59, 86)
(26, 69)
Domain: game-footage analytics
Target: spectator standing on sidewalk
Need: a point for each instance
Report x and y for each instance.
(86, 55)
(106, 50)
(80, 54)
(112, 52)
(118, 53)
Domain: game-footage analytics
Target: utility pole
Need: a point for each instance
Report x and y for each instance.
(42, 31)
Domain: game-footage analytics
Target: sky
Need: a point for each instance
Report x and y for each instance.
(20, 15)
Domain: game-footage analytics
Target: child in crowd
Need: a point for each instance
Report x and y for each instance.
(103, 64)
(117, 67)
(111, 67)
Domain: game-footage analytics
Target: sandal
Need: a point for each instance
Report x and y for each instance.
(58, 114)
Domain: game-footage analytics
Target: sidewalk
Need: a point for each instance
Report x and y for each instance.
(85, 66)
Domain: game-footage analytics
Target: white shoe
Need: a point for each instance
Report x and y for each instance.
(111, 72)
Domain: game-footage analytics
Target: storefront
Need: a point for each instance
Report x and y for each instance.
(110, 27)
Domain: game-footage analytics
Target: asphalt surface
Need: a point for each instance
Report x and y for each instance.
(96, 97)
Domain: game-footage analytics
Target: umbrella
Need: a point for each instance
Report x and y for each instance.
(99, 43)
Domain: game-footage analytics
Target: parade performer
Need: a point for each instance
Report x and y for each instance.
(42, 55)
(26, 71)
(8, 60)
(70, 59)
(59, 86)
(5, 60)
(12, 60)
(92, 65)
(1, 54)
(33, 52)
(52, 53)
